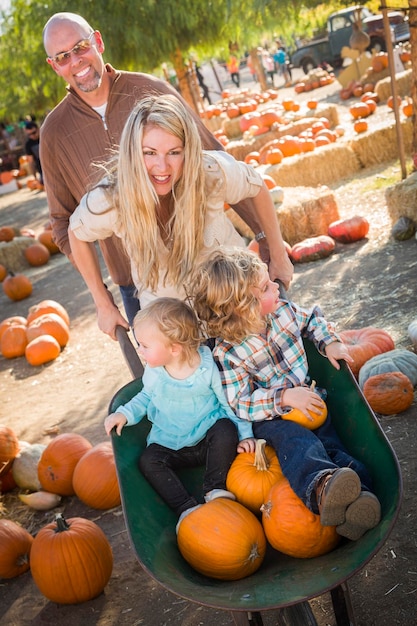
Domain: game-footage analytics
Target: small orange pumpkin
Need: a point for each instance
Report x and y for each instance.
(360, 126)
(3, 273)
(292, 528)
(252, 475)
(359, 110)
(95, 479)
(7, 233)
(319, 417)
(47, 239)
(17, 286)
(9, 448)
(42, 349)
(57, 463)
(71, 560)
(14, 320)
(15, 547)
(13, 341)
(37, 254)
(222, 539)
(389, 393)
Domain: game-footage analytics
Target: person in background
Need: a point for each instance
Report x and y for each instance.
(182, 397)
(32, 150)
(233, 68)
(86, 126)
(164, 197)
(263, 365)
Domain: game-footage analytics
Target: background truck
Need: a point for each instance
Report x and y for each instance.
(327, 50)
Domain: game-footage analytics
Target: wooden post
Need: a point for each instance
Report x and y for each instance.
(390, 51)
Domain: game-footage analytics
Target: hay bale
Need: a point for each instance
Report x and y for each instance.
(231, 127)
(380, 144)
(11, 253)
(214, 123)
(323, 166)
(401, 199)
(402, 81)
(304, 212)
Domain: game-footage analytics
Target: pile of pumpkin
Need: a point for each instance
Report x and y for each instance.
(70, 560)
(39, 337)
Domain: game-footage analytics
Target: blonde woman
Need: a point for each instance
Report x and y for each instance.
(164, 197)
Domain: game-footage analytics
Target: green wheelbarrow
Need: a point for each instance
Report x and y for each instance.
(282, 583)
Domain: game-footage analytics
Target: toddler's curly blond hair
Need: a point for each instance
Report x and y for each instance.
(222, 294)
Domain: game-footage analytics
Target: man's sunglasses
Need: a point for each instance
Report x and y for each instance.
(80, 48)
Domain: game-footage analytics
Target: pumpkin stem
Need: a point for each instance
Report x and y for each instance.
(313, 385)
(261, 460)
(61, 523)
(266, 508)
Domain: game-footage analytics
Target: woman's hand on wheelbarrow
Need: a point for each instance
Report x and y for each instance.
(108, 317)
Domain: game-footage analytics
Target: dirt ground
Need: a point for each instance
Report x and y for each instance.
(371, 282)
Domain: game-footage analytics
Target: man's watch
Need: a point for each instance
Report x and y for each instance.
(260, 236)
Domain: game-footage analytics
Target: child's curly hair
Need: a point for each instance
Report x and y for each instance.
(223, 297)
(176, 320)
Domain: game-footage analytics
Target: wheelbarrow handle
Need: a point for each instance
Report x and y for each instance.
(131, 357)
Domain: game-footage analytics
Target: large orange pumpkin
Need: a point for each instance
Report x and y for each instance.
(47, 239)
(15, 546)
(364, 343)
(48, 306)
(49, 324)
(95, 479)
(389, 393)
(57, 463)
(292, 528)
(71, 560)
(252, 475)
(349, 229)
(222, 539)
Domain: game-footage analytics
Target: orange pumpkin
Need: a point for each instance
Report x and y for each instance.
(9, 448)
(15, 547)
(3, 273)
(359, 109)
(360, 126)
(7, 233)
(289, 145)
(312, 248)
(12, 321)
(318, 418)
(57, 463)
(37, 254)
(252, 157)
(42, 349)
(364, 343)
(47, 306)
(95, 479)
(292, 528)
(349, 229)
(390, 101)
(17, 286)
(389, 393)
(13, 341)
(47, 239)
(222, 539)
(49, 324)
(71, 560)
(274, 156)
(252, 475)
(408, 108)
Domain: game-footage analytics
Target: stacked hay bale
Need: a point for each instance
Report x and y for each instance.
(401, 199)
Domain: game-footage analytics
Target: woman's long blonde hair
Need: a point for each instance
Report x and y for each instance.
(223, 294)
(136, 200)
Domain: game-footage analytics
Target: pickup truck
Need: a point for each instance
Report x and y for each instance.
(327, 51)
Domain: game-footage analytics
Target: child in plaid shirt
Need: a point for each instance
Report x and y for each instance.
(260, 353)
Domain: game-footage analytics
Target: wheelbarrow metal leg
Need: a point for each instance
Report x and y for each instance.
(342, 605)
(299, 614)
(241, 618)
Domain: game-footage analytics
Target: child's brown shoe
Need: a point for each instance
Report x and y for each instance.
(335, 492)
(362, 515)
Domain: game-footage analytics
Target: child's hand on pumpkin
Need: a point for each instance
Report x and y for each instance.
(304, 399)
(246, 445)
(336, 351)
(112, 420)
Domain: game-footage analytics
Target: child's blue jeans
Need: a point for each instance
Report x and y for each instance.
(306, 455)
